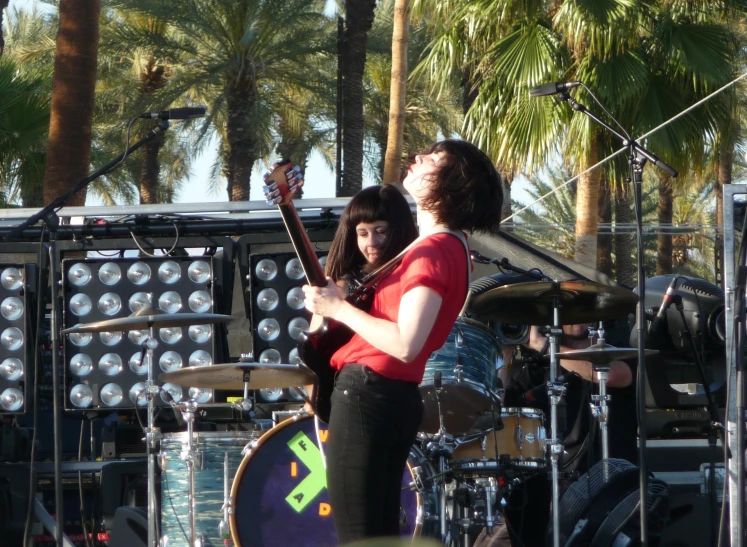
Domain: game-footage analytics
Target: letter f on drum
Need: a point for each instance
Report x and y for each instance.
(309, 488)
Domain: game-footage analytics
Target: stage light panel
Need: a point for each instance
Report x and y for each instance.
(108, 369)
(16, 351)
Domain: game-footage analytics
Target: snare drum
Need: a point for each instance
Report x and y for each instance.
(467, 363)
(210, 477)
(280, 495)
(522, 439)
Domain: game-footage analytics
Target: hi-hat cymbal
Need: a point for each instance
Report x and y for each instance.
(532, 303)
(601, 354)
(233, 376)
(144, 319)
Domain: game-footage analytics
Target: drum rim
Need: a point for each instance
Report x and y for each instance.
(245, 461)
(228, 435)
(479, 325)
(523, 411)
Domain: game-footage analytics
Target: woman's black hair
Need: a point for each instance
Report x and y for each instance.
(467, 193)
(384, 202)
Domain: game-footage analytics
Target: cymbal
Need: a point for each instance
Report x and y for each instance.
(601, 354)
(532, 303)
(144, 319)
(232, 376)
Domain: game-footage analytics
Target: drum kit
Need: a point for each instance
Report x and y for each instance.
(268, 488)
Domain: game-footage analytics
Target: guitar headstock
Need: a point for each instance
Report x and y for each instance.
(282, 183)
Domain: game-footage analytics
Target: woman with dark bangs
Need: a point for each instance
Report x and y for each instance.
(376, 403)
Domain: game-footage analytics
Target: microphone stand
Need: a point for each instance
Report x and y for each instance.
(49, 215)
(637, 158)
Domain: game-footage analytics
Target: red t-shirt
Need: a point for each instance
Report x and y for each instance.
(438, 262)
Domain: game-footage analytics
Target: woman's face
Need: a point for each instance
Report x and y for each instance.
(371, 238)
(421, 173)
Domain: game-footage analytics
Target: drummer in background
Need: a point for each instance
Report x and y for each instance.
(529, 371)
(376, 404)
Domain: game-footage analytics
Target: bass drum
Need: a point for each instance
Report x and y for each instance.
(280, 491)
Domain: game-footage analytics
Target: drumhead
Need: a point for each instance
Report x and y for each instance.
(280, 491)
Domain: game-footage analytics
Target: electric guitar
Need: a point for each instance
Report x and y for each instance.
(314, 348)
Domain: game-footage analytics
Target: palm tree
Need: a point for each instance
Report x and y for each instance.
(233, 56)
(397, 102)
(3, 7)
(73, 87)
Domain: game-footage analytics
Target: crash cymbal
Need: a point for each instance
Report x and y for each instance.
(144, 319)
(601, 354)
(532, 303)
(233, 376)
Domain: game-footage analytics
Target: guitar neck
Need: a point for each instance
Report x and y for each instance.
(303, 246)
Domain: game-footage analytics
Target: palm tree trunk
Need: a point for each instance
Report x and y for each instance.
(587, 201)
(604, 241)
(664, 238)
(150, 170)
(725, 165)
(624, 270)
(397, 96)
(507, 178)
(3, 6)
(359, 16)
(73, 85)
(241, 142)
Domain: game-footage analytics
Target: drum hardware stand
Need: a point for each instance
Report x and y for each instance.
(152, 436)
(224, 528)
(599, 408)
(441, 452)
(192, 456)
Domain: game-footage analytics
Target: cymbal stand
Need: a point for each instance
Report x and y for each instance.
(192, 457)
(599, 408)
(555, 391)
(152, 436)
(441, 452)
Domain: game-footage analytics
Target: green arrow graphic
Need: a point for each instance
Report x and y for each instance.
(309, 488)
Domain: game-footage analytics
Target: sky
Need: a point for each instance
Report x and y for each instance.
(319, 180)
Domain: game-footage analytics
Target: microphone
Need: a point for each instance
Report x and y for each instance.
(665, 303)
(552, 88)
(184, 113)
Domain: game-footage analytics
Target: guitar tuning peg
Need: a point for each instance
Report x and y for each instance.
(297, 168)
(266, 189)
(266, 175)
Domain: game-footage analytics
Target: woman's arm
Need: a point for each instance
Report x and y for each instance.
(403, 339)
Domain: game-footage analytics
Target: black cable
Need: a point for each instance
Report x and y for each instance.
(40, 312)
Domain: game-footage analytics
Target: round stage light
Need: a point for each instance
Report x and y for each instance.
(79, 274)
(110, 303)
(140, 301)
(81, 396)
(11, 399)
(296, 326)
(138, 394)
(110, 364)
(169, 272)
(271, 395)
(199, 271)
(270, 356)
(80, 304)
(138, 337)
(200, 394)
(110, 338)
(80, 338)
(170, 302)
(170, 361)
(136, 365)
(267, 299)
(266, 269)
(11, 369)
(139, 273)
(293, 357)
(111, 394)
(297, 393)
(268, 329)
(200, 333)
(170, 335)
(293, 269)
(295, 298)
(11, 338)
(200, 358)
(199, 301)
(172, 390)
(12, 308)
(110, 273)
(81, 364)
